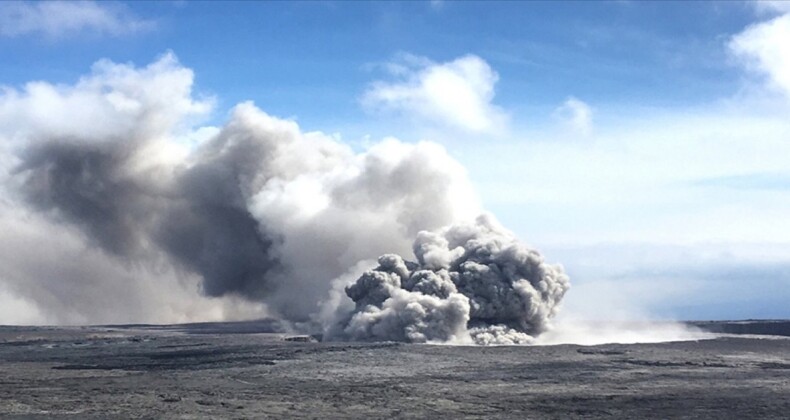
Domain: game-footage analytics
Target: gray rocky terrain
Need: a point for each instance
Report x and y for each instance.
(237, 371)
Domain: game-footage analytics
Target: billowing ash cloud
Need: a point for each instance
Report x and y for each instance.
(115, 209)
(109, 175)
(196, 213)
(471, 282)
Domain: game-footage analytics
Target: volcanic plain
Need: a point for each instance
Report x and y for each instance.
(243, 370)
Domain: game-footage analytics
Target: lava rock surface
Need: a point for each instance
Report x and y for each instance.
(223, 371)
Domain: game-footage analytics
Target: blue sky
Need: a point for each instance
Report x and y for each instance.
(301, 58)
(644, 145)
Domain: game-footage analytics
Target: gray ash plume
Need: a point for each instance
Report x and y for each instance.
(116, 207)
(472, 282)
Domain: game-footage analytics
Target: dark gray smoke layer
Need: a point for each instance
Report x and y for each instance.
(472, 282)
(197, 217)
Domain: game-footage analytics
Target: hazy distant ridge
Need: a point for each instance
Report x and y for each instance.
(758, 327)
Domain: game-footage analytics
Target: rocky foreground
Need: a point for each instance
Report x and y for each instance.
(236, 371)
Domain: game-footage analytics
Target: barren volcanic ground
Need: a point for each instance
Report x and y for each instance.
(235, 371)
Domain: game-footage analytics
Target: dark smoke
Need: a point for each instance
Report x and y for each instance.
(470, 282)
(85, 186)
(198, 219)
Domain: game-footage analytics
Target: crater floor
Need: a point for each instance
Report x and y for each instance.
(233, 371)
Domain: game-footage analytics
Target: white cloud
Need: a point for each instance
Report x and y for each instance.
(457, 93)
(771, 6)
(763, 47)
(61, 18)
(112, 99)
(577, 114)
